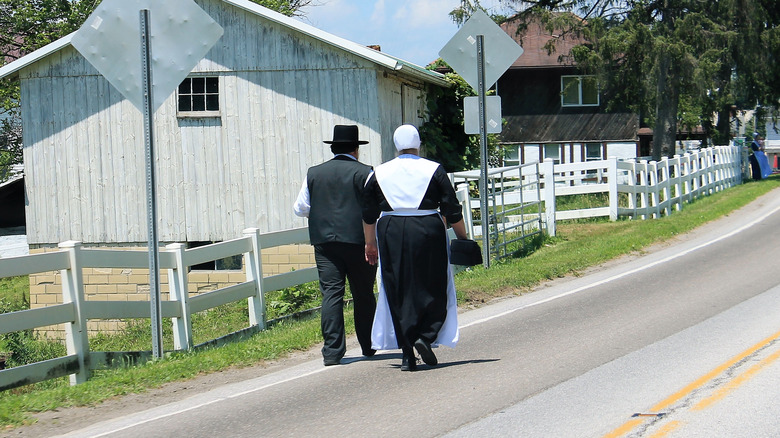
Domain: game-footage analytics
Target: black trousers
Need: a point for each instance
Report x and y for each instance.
(336, 263)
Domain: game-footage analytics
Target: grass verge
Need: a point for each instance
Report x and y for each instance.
(579, 245)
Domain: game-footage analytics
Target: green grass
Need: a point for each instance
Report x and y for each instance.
(579, 245)
(14, 294)
(582, 244)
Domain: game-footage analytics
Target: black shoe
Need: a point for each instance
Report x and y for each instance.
(329, 362)
(409, 363)
(426, 353)
(368, 353)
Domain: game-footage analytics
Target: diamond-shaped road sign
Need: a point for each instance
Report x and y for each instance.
(182, 34)
(501, 51)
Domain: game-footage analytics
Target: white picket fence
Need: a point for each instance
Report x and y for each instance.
(75, 311)
(637, 189)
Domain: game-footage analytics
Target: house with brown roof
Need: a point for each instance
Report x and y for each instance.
(555, 111)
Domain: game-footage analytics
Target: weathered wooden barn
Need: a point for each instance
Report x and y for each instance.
(233, 142)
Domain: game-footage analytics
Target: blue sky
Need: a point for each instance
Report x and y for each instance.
(413, 30)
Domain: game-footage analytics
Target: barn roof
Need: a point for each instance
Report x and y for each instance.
(551, 128)
(356, 49)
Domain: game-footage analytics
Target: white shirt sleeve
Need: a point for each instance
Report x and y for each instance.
(303, 204)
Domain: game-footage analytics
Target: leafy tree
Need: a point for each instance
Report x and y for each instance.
(26, 25)
(10, 144)
(674, 62)
(443, 134)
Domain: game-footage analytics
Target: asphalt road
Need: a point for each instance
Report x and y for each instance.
(680, 342)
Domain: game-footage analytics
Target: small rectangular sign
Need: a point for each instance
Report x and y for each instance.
(492, 114)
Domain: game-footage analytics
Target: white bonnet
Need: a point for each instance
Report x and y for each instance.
(406, 137)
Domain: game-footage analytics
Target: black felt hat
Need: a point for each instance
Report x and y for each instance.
(345, 135)
(465, 252)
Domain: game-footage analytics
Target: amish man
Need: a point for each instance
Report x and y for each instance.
(331, 198)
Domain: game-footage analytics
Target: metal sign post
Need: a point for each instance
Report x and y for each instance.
(184, 33)
(151, 195)
(491, 62)
(483, 152)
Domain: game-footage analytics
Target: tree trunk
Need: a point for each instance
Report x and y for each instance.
(667, 98)
(723, 128)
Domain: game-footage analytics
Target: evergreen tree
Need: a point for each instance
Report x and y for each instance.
(674, 62)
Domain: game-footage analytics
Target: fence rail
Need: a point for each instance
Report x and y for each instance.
(176, 259)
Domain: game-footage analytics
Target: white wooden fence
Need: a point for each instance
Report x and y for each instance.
(75, 311)
(636, 189)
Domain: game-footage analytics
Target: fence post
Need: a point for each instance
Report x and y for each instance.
(696, 172)
(665, 182)
(654, 192)
(254, 272)
(548, 169)
(177, 280)
(644, 182)
(676, 180)
(708, 172)
(744, 168)
(631, 181)
(612, 178)
(465, 202)
(76, 340)
(685, 175)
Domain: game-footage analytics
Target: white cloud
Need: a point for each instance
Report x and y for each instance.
(417, 14)
(379, 13)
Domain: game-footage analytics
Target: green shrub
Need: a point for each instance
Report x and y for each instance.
(293, 299)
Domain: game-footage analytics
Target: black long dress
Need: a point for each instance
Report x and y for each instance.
(412, 194)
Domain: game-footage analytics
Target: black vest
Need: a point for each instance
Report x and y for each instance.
(335, 192)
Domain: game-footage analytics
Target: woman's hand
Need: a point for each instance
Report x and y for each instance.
(369, 232)
(371, 253)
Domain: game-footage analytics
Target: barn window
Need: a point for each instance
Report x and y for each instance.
(593, 151)
(553, 151)
(579, 91)
(226, 264)
(199, 96)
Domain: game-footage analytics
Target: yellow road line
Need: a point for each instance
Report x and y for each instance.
(666, 429)
(625, 428)
(696, 384)
(736, 382)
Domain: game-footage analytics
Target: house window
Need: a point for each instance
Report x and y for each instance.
(512, 154)
(593, 151)
(579, 91)
(226, 264)
(199, 96)
(553, 151)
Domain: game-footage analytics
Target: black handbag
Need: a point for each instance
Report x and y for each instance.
(465, 252)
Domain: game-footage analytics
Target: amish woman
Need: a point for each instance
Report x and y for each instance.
(757, 146)
(408, 203)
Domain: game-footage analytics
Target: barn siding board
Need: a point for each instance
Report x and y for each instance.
(62, 157)
(81, 168)
(111, 193)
